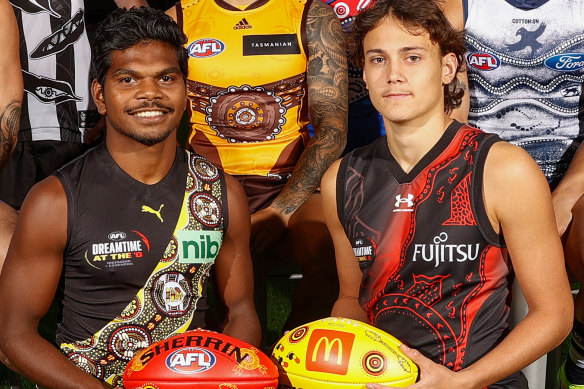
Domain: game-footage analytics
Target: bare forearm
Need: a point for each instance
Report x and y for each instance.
(571, 187)
(33, 357)
(524, 344)
(244, 325)
(323, 149)
(9, 125)
(349, 308)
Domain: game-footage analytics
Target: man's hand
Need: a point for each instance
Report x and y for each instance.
(432, 375)
(267, 226)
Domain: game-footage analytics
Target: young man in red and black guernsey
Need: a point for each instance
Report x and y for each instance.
(126, 234)
(430, 222)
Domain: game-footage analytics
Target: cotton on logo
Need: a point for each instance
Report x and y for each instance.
(207, 47)
(408, 200)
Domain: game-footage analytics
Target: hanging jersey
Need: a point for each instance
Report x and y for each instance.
(525, 69)
(434, 272)
(137, 257)
(247, 84)
(55, 56)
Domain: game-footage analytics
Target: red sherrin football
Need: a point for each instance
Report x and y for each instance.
(201, 359)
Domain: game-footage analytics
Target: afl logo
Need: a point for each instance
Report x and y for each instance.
(566, 62)
(483, 61)
(116, 236)
(190, 360)
(206, 47)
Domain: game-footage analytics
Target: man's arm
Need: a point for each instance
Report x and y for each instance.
(234, 269)
(347, 304)
(131, 3)
(11, 87)
(27, 287)
(569, 191)
(327, 105)
(518, 200)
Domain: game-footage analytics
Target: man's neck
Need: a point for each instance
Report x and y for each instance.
(241, 4)
(410, 142)
(147, 164)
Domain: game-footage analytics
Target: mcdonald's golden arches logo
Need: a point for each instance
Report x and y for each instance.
(329, 351)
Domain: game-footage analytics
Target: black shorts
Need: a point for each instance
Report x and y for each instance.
(30, 163)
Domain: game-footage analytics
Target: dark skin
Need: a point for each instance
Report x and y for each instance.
(138, 77)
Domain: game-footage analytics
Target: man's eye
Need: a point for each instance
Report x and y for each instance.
(126, 79)
(413, 58)
(166, 78)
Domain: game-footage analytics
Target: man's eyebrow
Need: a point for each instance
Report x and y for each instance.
(401, 50)
(131, 72)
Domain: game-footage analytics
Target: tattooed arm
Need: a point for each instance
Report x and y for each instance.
(11, 88)
(327, 106)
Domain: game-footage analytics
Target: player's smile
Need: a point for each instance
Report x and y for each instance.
(145, 93)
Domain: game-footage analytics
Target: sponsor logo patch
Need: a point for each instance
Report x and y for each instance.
(206, 47)
(483, 61)
(198, 246)
(277, 44)
(565, 62)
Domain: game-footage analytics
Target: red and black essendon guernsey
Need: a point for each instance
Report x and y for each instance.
(435, 273)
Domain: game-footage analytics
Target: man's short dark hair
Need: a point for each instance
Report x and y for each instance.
(417, 16)
(123, 29)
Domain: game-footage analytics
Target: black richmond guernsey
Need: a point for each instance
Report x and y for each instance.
(137, 257)
(435, 273)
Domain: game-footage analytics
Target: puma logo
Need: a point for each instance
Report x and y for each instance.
(146, 208)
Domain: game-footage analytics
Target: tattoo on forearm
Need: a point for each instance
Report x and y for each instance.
(9, 125)
(328, 106)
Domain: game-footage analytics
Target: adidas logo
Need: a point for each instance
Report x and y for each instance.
(242, 25)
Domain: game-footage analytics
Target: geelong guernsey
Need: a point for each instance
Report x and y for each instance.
(247, 84)
(137, 257)
(526, 68)
(54, 55)
(434, 272)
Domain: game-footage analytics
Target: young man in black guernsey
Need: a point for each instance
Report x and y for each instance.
(127, 233)
(418, 217)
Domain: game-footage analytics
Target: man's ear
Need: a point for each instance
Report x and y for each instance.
(449, 66)
(97, 94)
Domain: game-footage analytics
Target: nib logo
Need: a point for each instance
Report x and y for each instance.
(242, 25)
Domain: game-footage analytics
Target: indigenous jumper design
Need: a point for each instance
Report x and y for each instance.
(526, 68)
(247, 85)
(54, 55)
(434, 270)
(138, 274)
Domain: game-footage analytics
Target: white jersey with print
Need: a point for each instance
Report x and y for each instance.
(55, 57)
(526, 68)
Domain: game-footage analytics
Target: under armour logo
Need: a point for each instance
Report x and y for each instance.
(401, 200)
(146, 208)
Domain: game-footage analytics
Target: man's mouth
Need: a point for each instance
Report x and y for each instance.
(148, 114)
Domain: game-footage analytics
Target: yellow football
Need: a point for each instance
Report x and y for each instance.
(341, 353)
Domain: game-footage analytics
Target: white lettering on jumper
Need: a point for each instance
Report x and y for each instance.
(440, 253)
(116, 247)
